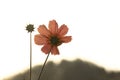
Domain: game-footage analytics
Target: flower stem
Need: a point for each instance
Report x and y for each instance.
(30, 56)
(43, 67)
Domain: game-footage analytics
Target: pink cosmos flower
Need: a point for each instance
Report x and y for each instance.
(52, 37)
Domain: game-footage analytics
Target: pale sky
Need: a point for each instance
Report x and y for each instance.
(93, 24)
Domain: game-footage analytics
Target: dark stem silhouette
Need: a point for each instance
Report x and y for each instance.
(43, 67)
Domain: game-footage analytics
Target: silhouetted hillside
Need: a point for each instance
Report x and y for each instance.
(66, 70)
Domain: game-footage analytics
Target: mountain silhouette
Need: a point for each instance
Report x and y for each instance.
(69, 70)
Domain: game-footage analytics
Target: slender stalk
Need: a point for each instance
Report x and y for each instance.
(30, 56)
(43, 67)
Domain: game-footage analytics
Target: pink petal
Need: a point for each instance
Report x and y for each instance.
(46, 48)
(63, 30)
(39, 39)
(53, 26)
(66, 39)
(54, 50)
(43, 30)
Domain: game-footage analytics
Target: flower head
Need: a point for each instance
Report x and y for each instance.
(30, 28)
(52, 37)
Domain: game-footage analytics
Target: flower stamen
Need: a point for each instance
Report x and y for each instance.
(55, 40)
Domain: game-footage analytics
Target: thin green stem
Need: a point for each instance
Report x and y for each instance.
(30, 56)
(43, 67)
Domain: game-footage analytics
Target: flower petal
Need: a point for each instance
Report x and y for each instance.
(39, 39)
(53, 26)
(63, 30)
(43, 30)
(66, 39)
(54, 50)
(46, 48)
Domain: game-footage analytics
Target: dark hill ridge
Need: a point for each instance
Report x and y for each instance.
(66, 70)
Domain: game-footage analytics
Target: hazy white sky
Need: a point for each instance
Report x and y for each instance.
(93, 24)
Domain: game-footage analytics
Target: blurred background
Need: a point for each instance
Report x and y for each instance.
(69, 70)
(94, 26)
